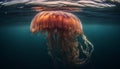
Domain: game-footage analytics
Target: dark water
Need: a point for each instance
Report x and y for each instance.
(20, 49)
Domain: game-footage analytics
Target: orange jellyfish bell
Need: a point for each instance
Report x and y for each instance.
(56, 20)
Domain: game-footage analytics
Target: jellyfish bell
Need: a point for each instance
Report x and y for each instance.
(56, 20)
(64, 30)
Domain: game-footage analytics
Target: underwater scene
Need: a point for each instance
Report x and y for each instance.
(59, 34)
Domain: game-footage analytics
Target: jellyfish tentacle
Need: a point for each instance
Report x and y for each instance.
(49, 45)
(88, 44)
(81, 60)
(87, 49)
(53, 46)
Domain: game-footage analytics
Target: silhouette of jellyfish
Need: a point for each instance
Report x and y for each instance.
(63, 33)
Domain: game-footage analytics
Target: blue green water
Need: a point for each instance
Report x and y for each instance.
(20, 49)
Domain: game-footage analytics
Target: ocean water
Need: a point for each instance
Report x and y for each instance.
(20, 49)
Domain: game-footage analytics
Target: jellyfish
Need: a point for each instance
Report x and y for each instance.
(66, 41)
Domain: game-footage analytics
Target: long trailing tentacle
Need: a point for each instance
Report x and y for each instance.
(87, 49)
(53, 46)
(88, 46)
